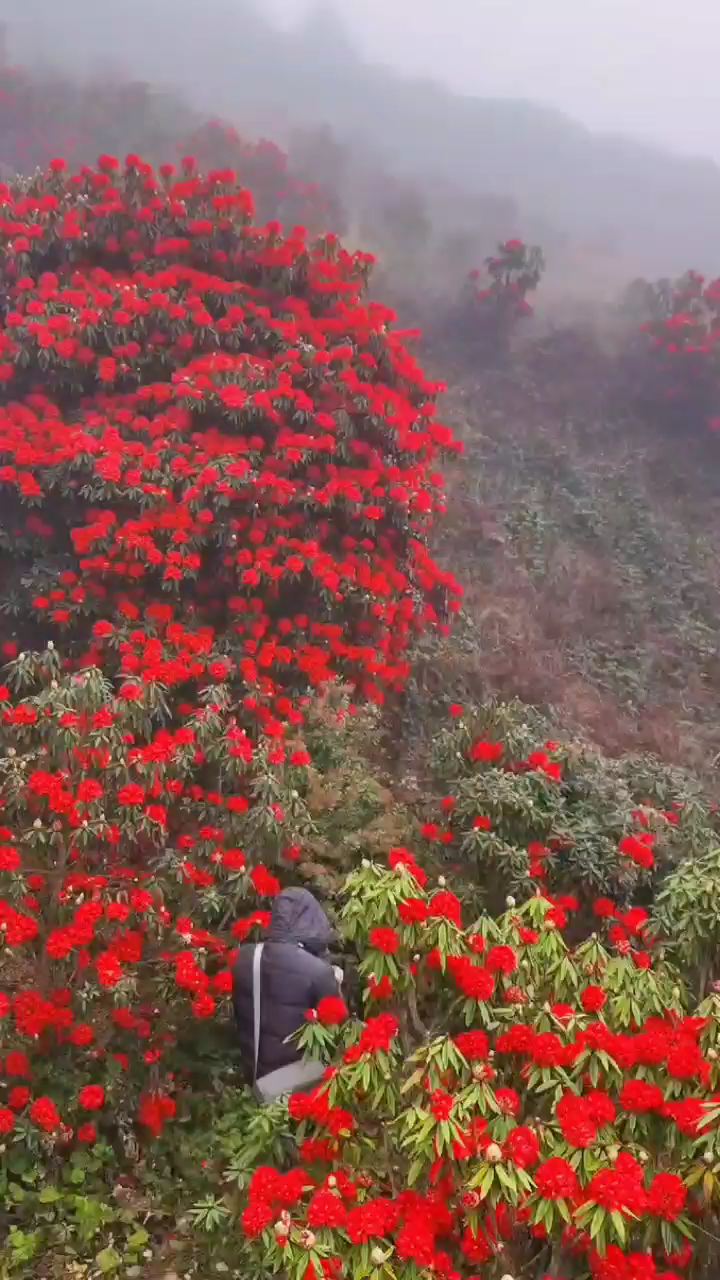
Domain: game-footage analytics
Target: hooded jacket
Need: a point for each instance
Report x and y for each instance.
(294, 977)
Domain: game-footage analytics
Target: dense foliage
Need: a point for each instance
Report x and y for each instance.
(518, 1107)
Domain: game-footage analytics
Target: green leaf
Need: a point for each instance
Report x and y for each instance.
(598, 1222)
(49, 1195)
(619, 1224)
(108, 1260)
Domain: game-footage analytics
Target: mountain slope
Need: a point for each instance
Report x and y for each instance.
(658, 209)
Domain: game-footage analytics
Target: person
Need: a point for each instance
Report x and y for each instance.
(295, 974)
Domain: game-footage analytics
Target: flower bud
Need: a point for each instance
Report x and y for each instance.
(377, 1256)
(281, 1229)
(708, 1157)
(442, 881)
(510, 901)
(493, 1153)
(712, 1055)
(365, 863)
(332, 1180)
(37, 824)
(308, 1240)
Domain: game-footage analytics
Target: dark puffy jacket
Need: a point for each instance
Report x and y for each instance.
(294, 976)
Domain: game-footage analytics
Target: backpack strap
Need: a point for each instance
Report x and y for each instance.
(257, 958)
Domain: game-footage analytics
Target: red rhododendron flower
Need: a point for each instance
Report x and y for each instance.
(7, 1121)
(557, 1180)
(593, 999)
(502, 960)
(487, 752)
(445, 906)
(265, 884)
(332, 1011)
(667, 1196)
(92, 1097)
(385, 940)
(522, 1146)
(473, 1045)
(639, 1097)
(326, 1210)
(413, 911)
(45, 1115)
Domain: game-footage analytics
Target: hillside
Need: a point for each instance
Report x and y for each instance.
(589, 544)
(655, 208)
(235, 526)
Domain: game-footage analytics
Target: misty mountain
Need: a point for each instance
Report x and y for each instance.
(659, 209)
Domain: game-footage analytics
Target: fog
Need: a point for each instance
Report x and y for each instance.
(589, 126)
(642, 67)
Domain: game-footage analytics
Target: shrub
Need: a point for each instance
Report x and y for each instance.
(218, 468)
(514, 1104)
(493, 307)
(673, 369)
(225, 436)
(522, 809)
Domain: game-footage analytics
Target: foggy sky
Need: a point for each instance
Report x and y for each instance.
(643, 67)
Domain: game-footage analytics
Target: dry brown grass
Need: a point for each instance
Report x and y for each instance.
(605, 608)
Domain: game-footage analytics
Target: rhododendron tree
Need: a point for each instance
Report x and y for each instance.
(673, 369)
(218, 463)
(219, 476)
(493, 1115)
(496, 301)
